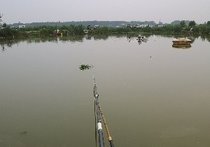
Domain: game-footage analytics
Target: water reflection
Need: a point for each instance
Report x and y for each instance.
(100, 37)
(140, 39)
(130, 37)
(205, 38)
(8, 43)
(208, 39)
(3, 48)
(78, 38)
(39, 40)
(187, 46)
(88, 37)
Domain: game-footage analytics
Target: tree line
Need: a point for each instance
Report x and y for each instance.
(183, 28)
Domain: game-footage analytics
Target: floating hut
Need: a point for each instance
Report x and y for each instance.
(182, 42)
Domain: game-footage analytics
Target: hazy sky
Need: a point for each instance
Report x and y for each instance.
(76, 10)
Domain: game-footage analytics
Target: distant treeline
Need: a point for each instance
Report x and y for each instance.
(86, 23)
(183, 28)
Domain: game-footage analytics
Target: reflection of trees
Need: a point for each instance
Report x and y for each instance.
(2, 48)
(8, 43)
(205, 38)
(4, 43)
(40, 40)
(208, 38)
(99, 37)
(88, 37)
(75, 38)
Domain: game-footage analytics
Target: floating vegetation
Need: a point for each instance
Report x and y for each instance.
(85, 67)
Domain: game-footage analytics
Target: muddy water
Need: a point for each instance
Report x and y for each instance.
(153, 95)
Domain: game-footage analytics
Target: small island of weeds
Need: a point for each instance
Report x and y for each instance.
(85, 67)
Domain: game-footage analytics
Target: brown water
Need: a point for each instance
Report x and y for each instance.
(153, 95)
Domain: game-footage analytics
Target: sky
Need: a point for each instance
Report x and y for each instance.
(27, 11)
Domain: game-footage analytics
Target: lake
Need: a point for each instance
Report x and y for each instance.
(153, 95)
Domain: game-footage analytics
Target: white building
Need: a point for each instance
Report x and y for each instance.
(21, 26)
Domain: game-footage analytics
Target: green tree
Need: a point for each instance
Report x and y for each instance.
(192, 23)
(208, 27)
(182, 23)
(4, 25)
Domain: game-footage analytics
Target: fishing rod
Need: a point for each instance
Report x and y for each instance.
(98, 108)
(98, 121)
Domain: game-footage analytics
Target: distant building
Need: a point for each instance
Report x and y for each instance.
(18, 25)
(160, 25)
(21, 26)
(143, 26)
(96, 26)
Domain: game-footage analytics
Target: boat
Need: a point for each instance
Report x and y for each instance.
(181, 43)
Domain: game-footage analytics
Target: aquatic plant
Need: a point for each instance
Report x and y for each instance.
(85, 67)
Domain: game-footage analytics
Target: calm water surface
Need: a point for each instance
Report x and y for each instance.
(153, 95)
